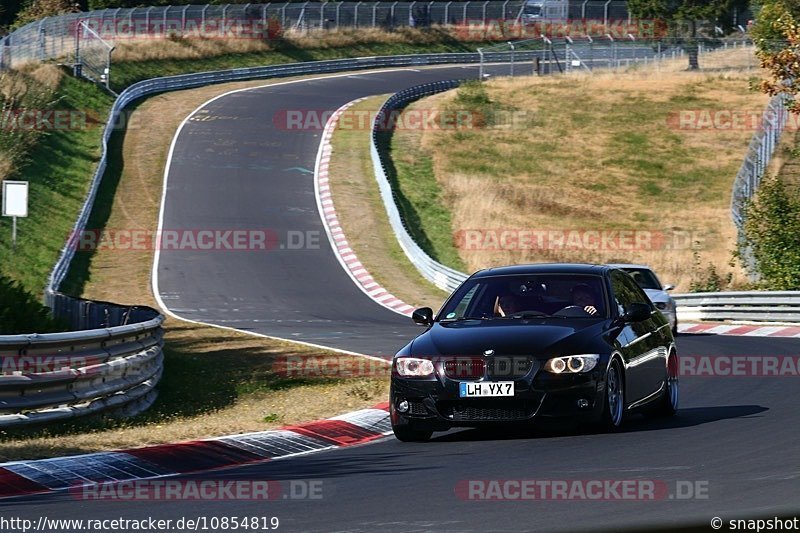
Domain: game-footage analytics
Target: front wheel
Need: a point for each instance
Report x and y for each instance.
(614, 411)
(409, 434)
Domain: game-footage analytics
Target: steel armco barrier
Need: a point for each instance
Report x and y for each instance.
(778, 306)
(111, 368)
(440, 275)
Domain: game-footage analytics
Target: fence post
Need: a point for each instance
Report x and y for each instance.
(41, 37)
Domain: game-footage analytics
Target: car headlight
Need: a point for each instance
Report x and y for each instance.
(664, 306)
(413, 367)
(574, 364)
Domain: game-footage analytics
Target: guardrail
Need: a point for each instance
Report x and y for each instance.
(440, 275)
(112, 368)
(755, 306)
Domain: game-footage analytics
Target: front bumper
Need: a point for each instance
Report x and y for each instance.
(435, 403)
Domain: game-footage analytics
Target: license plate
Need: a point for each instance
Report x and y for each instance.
(487, 388)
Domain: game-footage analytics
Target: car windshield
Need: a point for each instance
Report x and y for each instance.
(645, 278)
(527, 296)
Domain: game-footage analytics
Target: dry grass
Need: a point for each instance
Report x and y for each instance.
(233, 376)
(601, 152)
(363, 216)
(196, 48)
(216, 381)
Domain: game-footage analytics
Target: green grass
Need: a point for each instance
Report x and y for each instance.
(419, 196)
(59, 172)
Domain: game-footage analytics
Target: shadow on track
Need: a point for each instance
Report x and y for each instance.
(694, 416)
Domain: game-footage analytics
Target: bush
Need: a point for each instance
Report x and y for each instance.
(772, 235)
(21, 312)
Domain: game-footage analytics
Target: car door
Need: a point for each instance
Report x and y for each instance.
(637, 340)
(651, 354)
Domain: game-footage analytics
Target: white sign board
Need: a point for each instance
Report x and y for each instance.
(15, 198)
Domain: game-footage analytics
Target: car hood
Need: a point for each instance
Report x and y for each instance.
(507, 337)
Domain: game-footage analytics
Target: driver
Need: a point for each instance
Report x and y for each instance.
(506, 304)
(583, 297)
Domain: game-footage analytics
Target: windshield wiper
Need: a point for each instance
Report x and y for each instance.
(527, 314)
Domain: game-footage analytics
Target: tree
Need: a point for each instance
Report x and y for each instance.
(777, 36)
(683, 18)
(772, 234)
(39, 9)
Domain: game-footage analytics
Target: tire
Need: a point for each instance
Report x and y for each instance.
(409, 434)
(614, 410)
(668, 404)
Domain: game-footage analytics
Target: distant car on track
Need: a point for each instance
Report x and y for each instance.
(519, 343)
(658, 293)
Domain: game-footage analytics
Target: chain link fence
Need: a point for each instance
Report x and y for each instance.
(58, 37)
(758, 156)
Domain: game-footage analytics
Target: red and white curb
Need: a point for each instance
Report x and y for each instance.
(346, 256)
(745, 330)
(20, 478)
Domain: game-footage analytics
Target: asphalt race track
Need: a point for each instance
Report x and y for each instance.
(233, 167)
(734, 438)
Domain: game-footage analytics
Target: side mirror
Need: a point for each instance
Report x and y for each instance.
(637, 312)
(423, 316)
(668, 287)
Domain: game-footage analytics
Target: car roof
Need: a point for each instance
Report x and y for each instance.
(544, 268)
(628, 265)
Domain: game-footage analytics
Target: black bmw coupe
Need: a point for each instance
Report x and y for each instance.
(517, 343)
